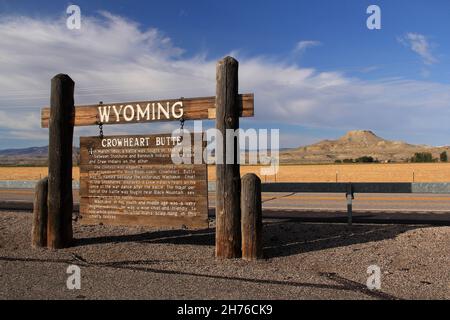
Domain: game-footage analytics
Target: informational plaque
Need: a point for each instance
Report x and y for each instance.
(133, 180)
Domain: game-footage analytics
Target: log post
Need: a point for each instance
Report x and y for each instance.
(39, 229)
(60, 199)
(251, 210)
(228, 182)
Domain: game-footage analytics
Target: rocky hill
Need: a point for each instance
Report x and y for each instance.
(352, 145)
(357, 144)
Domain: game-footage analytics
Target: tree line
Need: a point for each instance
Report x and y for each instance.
(419, 157)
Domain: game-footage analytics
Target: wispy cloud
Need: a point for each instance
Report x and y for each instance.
(112, 59)
(420, 45)
(369, 69)
(302, 46)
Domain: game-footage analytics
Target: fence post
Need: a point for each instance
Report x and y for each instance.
(60, 199)
(251, 224)
(228, 182)
(39, 229)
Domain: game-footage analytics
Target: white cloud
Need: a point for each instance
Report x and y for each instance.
(18, 120)
(301, 46)
(112, 59)
(420, 45)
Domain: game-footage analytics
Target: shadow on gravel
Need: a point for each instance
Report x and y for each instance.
(203, 237)
(280, 238)
(340, 283)
(290, 237)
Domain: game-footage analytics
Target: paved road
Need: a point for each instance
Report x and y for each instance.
(314, 201)
(362, 202)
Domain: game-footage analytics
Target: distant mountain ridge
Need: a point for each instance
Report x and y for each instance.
(36, 151)
(33, 156)
(355, 144)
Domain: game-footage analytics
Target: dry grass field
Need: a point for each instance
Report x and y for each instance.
(401, 172)
(427, 172)
(28, 173)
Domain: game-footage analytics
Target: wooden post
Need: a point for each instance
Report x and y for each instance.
(228, 182)
(39, 229)
(60, 199)
(251, 217)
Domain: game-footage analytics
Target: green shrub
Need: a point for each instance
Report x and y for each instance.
(365, 159)
(422, 157)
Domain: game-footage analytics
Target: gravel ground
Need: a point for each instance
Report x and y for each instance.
(303, 261)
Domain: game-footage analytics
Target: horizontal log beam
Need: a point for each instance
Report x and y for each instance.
(151, 111)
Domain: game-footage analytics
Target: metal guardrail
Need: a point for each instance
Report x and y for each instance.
(319, 187)
(350, 188)
(30, 184)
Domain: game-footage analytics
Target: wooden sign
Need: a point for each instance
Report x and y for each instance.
(132, 180)
(149, 111)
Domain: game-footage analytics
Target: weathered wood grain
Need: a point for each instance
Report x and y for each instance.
(154, 221)
(194, 109)
(251, 222)
(150, 154)
(142, 187)
(40, 213)
(228, 183)
(157, 193)
(60, 199)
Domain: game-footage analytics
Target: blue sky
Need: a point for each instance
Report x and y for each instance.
(315, 68)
